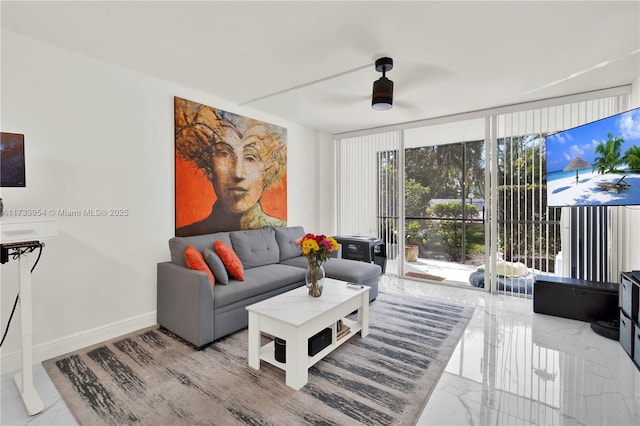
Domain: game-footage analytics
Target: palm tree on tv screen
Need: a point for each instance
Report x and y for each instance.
(610, 156)
(632, 157)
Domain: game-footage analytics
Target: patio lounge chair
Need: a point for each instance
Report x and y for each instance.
(618, 186)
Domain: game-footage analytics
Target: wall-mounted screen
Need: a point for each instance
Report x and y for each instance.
(595, 164)
(12, 166)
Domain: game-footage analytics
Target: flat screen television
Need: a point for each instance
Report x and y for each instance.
(12, 166)
(595, 164)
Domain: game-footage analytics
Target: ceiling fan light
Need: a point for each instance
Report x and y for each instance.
(381, 106)
(382, 98)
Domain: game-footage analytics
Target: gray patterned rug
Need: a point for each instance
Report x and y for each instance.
(152, 378)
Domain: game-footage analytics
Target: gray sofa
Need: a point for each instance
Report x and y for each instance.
(189, 307)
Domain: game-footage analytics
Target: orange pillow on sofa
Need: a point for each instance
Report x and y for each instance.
(230, 260)
(195, 260)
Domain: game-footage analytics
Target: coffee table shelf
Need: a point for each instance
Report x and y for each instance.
(295, 316)
(267, 351)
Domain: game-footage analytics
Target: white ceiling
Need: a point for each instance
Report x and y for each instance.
(312, 62)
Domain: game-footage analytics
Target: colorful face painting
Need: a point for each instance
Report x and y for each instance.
(230, 171)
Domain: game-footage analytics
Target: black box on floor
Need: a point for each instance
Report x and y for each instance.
(319, 341)
(575, 299)
(364, 249)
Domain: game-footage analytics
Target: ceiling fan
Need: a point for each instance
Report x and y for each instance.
(398, 94)
(382, 97)
(411, 76)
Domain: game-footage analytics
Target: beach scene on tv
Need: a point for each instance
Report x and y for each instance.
(595, 164)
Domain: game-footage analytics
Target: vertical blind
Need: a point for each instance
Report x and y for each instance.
(524, 214)
(367, 167)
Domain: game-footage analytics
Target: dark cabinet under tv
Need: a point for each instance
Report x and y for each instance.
(630, 314)
(575, 299)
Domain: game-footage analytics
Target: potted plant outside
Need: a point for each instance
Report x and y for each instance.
(414, 234)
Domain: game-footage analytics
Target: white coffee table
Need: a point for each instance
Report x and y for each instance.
(295, 316)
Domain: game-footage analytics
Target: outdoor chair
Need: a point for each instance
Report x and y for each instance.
(619, 186)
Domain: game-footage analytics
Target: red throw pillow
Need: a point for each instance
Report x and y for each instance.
(195, 260)
(230, 260)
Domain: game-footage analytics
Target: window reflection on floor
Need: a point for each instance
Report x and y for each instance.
(513, 366)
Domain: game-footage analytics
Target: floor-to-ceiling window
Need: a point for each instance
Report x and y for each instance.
(467, 196)
(444, 201)
(528, 231)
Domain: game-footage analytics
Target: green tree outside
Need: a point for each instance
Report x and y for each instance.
(446, 231)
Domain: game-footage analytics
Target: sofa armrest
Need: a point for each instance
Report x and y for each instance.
(185, 303)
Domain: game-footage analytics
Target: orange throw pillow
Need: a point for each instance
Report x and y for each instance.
(195, 260)
(230, 260)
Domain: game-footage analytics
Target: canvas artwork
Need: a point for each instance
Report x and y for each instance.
(230, 171)
(12, 164)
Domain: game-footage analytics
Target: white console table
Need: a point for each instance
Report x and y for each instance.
(17, 230)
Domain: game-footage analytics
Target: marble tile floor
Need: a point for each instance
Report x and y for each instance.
(12, 411)
(515, 367)
(512, 367)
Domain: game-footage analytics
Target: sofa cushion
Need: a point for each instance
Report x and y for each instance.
(194, 260)
(259, 280)
(177, 245)
(351, 270)
(216, 266)
(342, 269)
(255, 247)
(230, 259)
(299, 261)
(287, 237)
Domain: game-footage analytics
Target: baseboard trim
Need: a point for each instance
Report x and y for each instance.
(54, 348)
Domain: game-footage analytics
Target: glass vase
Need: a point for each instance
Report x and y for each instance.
(315, 279)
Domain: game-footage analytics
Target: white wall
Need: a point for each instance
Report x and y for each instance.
(100, 136)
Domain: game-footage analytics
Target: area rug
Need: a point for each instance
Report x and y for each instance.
(151, 377)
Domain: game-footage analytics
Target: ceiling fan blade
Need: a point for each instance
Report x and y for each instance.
(411, 75)
(332, 98)
(405, 106)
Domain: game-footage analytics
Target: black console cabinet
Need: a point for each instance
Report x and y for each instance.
(575, 299)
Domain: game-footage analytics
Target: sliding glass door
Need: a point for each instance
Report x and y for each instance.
(444, 207)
